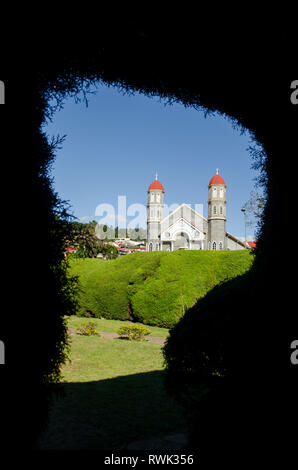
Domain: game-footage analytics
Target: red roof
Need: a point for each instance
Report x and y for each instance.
(68, 249)
(252, 244)
(216, 179)
(156, 185)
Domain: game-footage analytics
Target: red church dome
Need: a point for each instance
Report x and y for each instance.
(156, 185)
(216, 179)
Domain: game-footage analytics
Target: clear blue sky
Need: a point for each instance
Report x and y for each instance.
(117, 144)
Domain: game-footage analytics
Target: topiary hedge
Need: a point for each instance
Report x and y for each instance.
(207, 356)
(134, 332)
(153, 288)
(106, 286)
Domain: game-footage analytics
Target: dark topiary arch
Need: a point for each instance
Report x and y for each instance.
(251, 87)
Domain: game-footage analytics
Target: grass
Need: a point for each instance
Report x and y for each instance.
(94, 358)
(154, 288)
(114, 394)
(113, 388)
(103, 324)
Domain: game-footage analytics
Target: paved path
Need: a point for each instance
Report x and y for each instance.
(112, 335)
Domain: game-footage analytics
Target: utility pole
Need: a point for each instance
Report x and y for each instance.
(244, 213)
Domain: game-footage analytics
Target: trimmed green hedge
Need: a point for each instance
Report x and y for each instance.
(153, 288)
(208, 356)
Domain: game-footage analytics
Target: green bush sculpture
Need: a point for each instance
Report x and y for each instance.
(134, 332)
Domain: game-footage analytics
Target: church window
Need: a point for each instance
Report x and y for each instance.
(220, 210)
(214, 210)
(221, 192)
(220, 245)
(157, 197)
(214, 246)
(152, 197)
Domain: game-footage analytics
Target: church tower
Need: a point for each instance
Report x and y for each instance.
(217, 213)
(155, 206)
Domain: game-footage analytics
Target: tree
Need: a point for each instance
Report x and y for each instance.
(109, 251)
(254, 208)
(83, 237)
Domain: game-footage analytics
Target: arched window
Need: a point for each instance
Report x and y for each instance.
(220, 210)
(214, 210)
(221, 193)
(157, 197)
(214, 191)
(220, 246)
(152, 197)
(214, 246)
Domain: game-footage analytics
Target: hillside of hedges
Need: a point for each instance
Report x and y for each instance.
(153, 288)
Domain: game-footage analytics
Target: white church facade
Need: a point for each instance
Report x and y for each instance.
(186, 228)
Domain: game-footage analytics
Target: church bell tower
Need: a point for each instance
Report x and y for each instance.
(217, 213)
(155, 206)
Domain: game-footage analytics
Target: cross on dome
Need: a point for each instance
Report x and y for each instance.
(156, 184)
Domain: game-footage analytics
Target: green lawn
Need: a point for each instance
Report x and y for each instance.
(112, 325)
(114, 394)
(94, 358)
(114, 391)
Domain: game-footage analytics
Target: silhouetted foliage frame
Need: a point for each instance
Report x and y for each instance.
(155, 60)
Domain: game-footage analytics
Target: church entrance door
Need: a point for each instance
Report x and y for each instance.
(181, 241)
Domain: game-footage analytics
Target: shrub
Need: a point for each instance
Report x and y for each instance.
(134, 332)
(153, 288)
(181, 279)
(86, 314)
(207, 367)
(89, 329)
(105, 287)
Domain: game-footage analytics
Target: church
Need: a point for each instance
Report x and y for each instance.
(185, 228)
